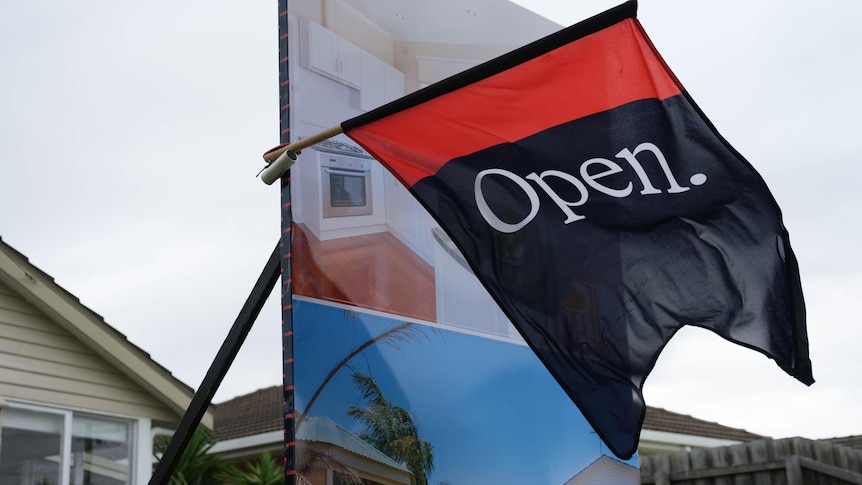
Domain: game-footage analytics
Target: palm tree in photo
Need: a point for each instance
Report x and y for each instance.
(400, 334)
(392, 430)
(307, 456)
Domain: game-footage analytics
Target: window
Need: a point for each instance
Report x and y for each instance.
(46, 446)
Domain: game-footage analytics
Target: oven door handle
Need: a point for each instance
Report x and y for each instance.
(349, 173)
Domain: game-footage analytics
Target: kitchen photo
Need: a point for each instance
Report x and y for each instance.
(359, 237)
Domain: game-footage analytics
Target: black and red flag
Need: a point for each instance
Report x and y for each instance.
(601, 210)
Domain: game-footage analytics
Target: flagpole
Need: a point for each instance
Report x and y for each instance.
(289, 464)
(283, 156)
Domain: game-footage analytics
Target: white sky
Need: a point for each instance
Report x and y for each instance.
(131, 133)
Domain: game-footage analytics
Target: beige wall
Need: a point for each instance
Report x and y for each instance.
(42, 362)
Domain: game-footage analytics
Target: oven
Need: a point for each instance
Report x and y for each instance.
(346, 185)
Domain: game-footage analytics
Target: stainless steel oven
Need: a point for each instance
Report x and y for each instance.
(346, 185)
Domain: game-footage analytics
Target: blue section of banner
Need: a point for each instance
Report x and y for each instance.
(487, 406)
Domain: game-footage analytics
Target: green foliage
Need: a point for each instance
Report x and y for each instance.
(265, 471)
(391, 430)
(195, 466)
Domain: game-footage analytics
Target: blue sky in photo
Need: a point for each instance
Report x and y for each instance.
(489, 407)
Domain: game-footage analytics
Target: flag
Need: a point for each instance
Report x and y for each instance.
(601, 210)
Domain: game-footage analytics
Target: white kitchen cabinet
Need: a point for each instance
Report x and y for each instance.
(381, 83)
(393, 83)
(372, 90)
(408, 220)
(326, 53)
(462, 301)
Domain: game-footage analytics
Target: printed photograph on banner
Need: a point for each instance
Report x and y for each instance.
(360, 238)
(388, 400)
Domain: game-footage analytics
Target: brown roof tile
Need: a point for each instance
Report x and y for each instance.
(251, 414)
(658, 419)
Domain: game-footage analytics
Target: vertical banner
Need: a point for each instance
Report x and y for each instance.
(286, 266)
(406, 370)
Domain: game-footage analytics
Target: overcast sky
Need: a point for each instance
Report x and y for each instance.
(131, 134)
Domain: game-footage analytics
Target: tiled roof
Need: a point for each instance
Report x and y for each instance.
(260, 412)
(658, 419)
(251, 414)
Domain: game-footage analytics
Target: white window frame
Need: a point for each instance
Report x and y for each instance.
(140, 468)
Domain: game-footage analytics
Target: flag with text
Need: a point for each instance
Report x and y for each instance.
(600, 209)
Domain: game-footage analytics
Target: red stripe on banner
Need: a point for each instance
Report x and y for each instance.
(596, 73)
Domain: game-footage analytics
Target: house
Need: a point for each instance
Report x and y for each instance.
(328, 447)
(79, 403)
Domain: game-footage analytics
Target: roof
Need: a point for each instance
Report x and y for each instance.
(250, 414)
(65, 309)
(261, 412)
(321, 429)
(658, 419)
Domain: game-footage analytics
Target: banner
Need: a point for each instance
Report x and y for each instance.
(403, 368)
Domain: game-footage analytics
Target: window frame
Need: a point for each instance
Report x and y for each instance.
(140, 441)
